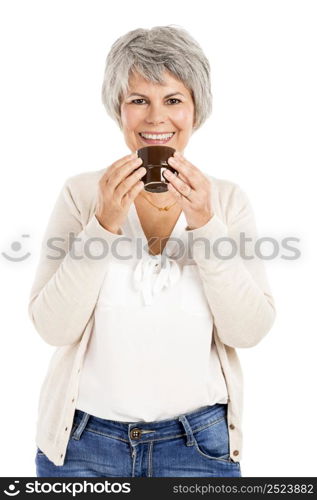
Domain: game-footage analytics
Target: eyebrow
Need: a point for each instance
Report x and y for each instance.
(168, 95)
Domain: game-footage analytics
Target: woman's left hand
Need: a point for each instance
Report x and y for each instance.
(191, 189)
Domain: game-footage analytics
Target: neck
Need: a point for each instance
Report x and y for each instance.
(159, 199)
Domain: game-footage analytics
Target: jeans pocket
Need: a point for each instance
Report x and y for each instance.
(212, 441)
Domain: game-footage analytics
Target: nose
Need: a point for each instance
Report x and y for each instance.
(155, 115)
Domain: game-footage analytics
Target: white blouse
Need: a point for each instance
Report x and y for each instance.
(151, 355)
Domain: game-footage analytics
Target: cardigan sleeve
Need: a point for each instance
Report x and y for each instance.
(234, 280)
(69, 273)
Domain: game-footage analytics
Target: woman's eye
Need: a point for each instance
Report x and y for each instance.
(174, 99)
(134, 100)
(137, 101)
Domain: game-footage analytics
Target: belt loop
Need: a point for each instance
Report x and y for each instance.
(188, 430)
(78, 432)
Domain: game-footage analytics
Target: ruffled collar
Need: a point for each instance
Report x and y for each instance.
(153, 273)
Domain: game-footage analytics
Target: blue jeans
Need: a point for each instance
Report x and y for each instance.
(195, 444)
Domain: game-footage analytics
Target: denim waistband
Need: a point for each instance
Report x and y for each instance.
(154, 430)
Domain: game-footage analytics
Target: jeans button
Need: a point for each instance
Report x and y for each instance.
(135, 433)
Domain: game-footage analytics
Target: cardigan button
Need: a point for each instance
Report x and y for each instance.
(232, 426)
(66, 428)
(236, 453)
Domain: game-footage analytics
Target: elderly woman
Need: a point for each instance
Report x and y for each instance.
(146, 295)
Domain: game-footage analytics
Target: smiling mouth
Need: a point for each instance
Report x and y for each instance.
(162, 138)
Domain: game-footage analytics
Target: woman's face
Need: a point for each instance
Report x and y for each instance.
(151, 108)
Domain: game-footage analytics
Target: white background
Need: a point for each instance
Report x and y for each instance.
(261, 135)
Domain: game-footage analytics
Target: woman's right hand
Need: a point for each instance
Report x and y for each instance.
(117, 189)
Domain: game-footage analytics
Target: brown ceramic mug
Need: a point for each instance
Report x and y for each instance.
(155, 161)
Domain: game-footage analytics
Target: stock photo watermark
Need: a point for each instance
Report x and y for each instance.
(224, 248)
(16, 247)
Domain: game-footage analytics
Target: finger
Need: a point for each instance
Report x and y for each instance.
(181, 186)
(196, 177)
(180, 157)
(133, 192)
(174, 192)
(184, 171)
(119, 163)
(126, 184)
(123, 160)
(123, 171)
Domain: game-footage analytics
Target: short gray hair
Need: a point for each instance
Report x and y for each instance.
(150, 52)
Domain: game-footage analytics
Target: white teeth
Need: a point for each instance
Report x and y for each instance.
(157, 136)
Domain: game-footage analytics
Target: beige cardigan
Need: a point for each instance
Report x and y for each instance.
(65, 292)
